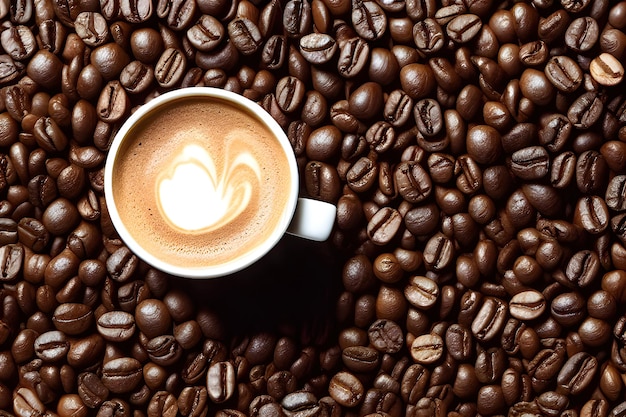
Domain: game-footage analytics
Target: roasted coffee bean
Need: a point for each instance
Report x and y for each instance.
(220, 381)
(122, 264)
(113, 407)
(594, 332)
(381, 137)
(321, 144)
(384, 225)
(427, 348)
(527, 305)
(428, 117)
(322, 181)
(72, 318)
(441, 167)
(121, 375)
(274, 52)
(534, 85)
(459, 342)
(153, 318)
(564, 73)
(51, 346)
(386, 336)
(346, 389)
(11, 259)
(92, 28)
(194, 368)
(45, 69)
(314, 109)
(445, 14)
(468, 174)
(270, 18)
(133, 11)
(585, 111)
(32, 233)
(147, 44)
(49, 135)
(300, 402)
(577, 373)
(113, 102)
(520, 136)
(582, 34)
(162, 403)
(369, 20)
(554, 131)
(280, 384)
(412, 181)
(116, 326)
(206, 34)
(438, 253)
(109, 59)
(136, 77)
(546, 364)
(318, 48)
(341, 117)
(245, 35)
(177, 13)
(290, 94)
(353, 56)
(91, 390)
(530, 163)
(192, 401)
(388, 268)
(592, 214)
(563, 170)
(534, 53)
(414, 383)
(19, 42)
(366, 101)
(349, 212)
(428, 36)
(9, 69)
(397, 109)
(483, 144)
(490, 365)
(463, 28)
(360, 359)
(591, 171)
(297, 18)
(169, 69)
(422, 292)
(26, 402)
(606, 70)
(615, 197)
(582, 269)
(568, 308)
(490, 319)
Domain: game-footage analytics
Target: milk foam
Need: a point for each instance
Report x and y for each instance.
(193, 196)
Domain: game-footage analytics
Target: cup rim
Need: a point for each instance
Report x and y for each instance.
(249, 257)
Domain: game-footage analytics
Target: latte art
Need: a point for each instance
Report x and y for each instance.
(193, 196)
(201, 182)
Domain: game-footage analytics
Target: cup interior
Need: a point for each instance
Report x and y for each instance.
(118, 148)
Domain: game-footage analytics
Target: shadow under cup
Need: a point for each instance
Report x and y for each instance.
(201, 182)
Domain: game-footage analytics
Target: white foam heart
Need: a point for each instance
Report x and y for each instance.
(193, 196)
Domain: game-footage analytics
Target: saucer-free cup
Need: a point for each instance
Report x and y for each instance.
(307, 218)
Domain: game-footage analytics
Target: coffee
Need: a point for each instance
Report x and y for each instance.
(200, 182)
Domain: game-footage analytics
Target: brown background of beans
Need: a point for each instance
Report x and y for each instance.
(476, 152)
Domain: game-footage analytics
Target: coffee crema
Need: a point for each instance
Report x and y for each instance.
(201, 182)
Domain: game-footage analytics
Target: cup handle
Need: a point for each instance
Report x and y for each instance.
(313, 220)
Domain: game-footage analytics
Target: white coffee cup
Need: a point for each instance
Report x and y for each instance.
(303, 217)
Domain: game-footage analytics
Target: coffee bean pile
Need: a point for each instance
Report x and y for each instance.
(475, 149)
